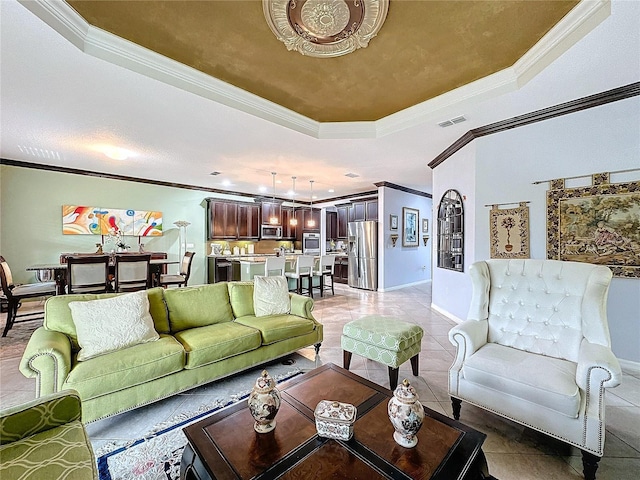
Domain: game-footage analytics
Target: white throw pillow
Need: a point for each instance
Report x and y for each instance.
(271, 296)
(110, 324)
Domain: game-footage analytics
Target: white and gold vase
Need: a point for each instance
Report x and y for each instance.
(406, 414)
(264, 403)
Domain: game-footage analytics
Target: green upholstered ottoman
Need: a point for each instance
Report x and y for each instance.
(382, 339)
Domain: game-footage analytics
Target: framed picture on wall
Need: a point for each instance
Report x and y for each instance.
(393, 222)
(410, 222)
(425, 225)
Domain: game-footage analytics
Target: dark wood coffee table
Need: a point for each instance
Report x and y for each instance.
(225, 446)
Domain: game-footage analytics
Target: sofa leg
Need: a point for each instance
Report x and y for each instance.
(589, 465)
(414, 365)
(317, 347)
(456, 404)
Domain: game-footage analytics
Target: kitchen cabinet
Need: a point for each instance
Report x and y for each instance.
(332, 226)
(371, 210)
(222, 218)
(343, 220)
(288, 230)
(269, 210)
(248, 221)
(357, 212)
(304, 215)
(341, 269)
(220, 269)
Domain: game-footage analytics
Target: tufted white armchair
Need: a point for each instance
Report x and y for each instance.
(536, 349)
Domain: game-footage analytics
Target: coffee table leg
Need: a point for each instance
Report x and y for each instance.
(393, 377)
(346, 359)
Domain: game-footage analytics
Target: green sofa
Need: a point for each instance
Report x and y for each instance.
(206, 332)
(45, 438)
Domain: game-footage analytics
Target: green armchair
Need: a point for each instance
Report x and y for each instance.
(45, 438)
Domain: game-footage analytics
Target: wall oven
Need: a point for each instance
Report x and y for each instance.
(311, 243)
(270, 232)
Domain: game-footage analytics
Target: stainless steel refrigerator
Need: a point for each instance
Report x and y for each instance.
(363, 255)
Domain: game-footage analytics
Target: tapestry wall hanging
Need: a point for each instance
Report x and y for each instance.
(597, 224)
(509, 231)
(79, 220)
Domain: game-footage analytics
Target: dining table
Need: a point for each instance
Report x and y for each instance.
(59, 270)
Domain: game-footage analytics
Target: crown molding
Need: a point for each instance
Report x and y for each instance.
(583, 18)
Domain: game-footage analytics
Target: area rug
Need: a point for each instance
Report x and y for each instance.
(157, 455)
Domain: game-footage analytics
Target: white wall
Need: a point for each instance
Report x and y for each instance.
(451, 290)
(504, 166)
(402, 266)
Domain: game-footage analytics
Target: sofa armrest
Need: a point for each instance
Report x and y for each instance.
(597, 368)
(469, 336)
(48, 359)
(301, 306)
(39, 415)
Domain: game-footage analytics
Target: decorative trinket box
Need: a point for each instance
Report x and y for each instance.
(335, 419)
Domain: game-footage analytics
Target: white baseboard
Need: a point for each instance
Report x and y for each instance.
(447, 314)
(630, 367)
(398, 287)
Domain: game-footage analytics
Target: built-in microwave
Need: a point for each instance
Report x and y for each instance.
(270, 232)
(311, 243)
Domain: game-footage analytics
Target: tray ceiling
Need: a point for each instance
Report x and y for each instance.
(424, 49)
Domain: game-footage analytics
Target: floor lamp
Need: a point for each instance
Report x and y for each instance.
(182, 229)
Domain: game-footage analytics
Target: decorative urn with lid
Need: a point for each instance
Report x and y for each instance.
(264, 403)
(406, 414)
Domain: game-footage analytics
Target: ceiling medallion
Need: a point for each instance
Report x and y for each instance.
(325, 28)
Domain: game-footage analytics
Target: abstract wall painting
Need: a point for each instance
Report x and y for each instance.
(509, 231)
(83, 220)
(597, 224)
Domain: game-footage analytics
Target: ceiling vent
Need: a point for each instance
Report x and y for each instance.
(351, 175)
(40, 152)
(215, 173)
(453, 121)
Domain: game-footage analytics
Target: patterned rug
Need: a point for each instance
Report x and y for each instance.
(157, 455)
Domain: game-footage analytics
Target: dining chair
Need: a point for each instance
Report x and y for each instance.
(132, 272)
(183, 277)
(274, 266)
(304, 269)
(323, 268)
(14, 295)
(88, 274)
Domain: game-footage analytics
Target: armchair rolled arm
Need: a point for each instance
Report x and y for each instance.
(597, 366)
(48, 359)
(301, 306)
(468, 337)
(39, 415)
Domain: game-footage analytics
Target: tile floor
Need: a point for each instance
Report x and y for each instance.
(512, 451)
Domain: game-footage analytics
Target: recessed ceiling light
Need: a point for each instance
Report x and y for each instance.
(351, 175)
(331, 190)
(227, 183)
(262, 189)
(115, 153)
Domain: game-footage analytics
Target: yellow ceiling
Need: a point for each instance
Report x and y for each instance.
(425, 48)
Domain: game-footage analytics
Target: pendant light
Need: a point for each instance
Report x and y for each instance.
(293, 221)
(273, 220)
(311, 222)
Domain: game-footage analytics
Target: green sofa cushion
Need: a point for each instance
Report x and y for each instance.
(60, 452)
(58, 314)
(241, 298)
(212, 343)
(191, 307)
(125, 368)
(274, 328)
